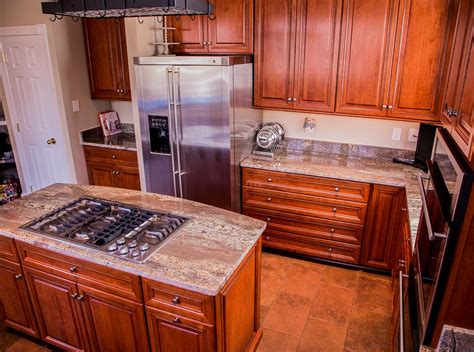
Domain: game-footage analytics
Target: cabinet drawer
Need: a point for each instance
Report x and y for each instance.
(8, 250)
(319, 207)
(96, 276)
(308, 226)
(310, 185)
(108, 155)
(331, 250)
(178, 301)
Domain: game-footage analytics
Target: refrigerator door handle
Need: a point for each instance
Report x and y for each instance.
(169, 87)
(177, 114)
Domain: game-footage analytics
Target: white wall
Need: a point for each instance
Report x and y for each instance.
(344, 129)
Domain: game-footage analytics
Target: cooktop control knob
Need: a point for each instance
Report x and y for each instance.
(144, 247)
(133, 244)
(123, 251)
(136, 253)
(121, 241)
(112, 248)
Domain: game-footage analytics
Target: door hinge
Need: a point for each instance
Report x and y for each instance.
(5, 58)
(18, 127)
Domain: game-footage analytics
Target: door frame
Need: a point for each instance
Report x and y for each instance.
(11, 114)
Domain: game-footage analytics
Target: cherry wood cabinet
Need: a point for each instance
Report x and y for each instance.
(228, 31)
(458, 104)
(16, 310)
(107, 58)
(367, 43)
(383, 221)
(419, 59)
(296, 54)
(112, 168)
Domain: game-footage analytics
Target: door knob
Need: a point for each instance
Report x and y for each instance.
(51, 141)
(19, 276)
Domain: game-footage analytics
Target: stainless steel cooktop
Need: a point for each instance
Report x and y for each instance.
(118, 229)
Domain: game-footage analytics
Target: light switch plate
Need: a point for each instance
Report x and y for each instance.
(75, 106)
(413, 135)
(396, 134)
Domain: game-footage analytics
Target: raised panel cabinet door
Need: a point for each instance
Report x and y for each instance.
(129, 178)
(419, 59)
(171, 333)
(231, 28)
(105, 45)
(57, 311)
(318, 34)
(113, 323)
(16, 310)
(101, 175)
(365, 59)
(274, 53)
(190, 33)
(382, 227)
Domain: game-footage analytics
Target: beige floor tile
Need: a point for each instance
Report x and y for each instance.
(322, 336)
(333, 304)
(274, 341)
(340, 277)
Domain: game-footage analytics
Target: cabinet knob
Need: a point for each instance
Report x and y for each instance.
(332, 230)
(18, 276)
(73, 269)
(384, 106)
(267, 238)
(334, 210)
(330, 250)
(269, 199)
(390, 107)
(80, 298)
(336, 189)
(269, 179)
(74, 295)
(177, 320)
(176, 300)
(295, 100)
(269, 219)
(404, 209)
(290, 100)
(118, 90)
(114, 156)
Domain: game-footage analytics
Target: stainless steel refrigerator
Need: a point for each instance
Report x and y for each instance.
(197, 124)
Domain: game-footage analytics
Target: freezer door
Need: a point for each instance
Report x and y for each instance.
(202, 108)
(155, 85)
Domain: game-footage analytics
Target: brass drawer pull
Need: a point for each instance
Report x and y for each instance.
(177, 320)
(73, 269)
(80, 298)
(114, 156)
(74, 295)
(176, 300)
(19, 276)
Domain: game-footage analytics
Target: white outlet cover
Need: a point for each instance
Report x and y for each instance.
(413, 135)
(75, 106)
(396, 134)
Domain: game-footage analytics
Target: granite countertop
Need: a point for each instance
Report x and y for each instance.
(348, 162)
(201, 257)
(125, 140)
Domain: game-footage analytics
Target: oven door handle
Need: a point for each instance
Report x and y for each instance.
(424, 204)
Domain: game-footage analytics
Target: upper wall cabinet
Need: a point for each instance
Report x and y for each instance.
(296, 54)
(459, 97)
(106, 49)
(228, 31)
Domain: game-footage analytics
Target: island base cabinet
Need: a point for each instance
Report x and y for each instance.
(15, 305)
(57, 310)
(172, 333)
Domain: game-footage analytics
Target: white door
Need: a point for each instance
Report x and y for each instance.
(40, 135)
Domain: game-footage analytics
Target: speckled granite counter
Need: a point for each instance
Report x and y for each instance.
(347, 162)
(125, 140)
(201, 257)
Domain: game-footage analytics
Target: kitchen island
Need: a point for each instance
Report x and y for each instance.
(199, 292)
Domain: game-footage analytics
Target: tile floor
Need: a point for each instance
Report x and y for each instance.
(305, 307)
(314, 307)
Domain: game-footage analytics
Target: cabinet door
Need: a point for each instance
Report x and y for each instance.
(383, 224)
(319, 28)
(170, 333)
(107, 58)
(274, 53)
(368, 33)
(129, 178)
(113, 323)
(101, 175)
(58, 313)
(190, 33)
(16, 310)
(231, 32)
(419, 59)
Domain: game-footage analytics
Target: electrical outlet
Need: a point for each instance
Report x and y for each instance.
(413, 135)
(396, 134)
(75, 106)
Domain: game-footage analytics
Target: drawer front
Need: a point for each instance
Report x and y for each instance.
(331, 250)
(8, 250)
(324, 208)
(308, 226)
(110, 155)
(96, 276)
(178, 301)
(310, 185)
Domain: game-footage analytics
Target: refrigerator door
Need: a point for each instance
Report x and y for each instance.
(202, 108)
(157, 123)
